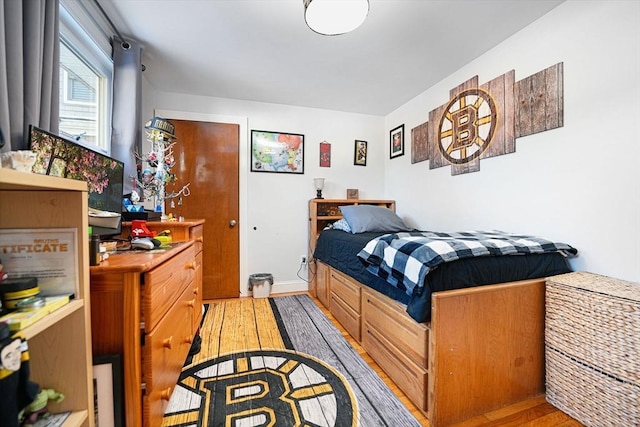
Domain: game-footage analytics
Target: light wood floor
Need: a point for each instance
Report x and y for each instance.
(533, 412)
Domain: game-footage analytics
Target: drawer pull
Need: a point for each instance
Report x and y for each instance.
(168, 342)
(188, 339)
(196, 290)
(199, 239)
(165, 394)
(191, 303)
(191, 265)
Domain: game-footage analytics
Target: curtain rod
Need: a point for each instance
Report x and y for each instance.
(125, 44)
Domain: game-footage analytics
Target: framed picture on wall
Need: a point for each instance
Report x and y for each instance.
(396, 142)
(325, 154)
(277, 152)
(360, 153)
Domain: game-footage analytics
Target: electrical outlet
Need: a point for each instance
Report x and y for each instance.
(303, 259)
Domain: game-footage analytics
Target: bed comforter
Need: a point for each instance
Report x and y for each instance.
(404, 259)
(339, 250)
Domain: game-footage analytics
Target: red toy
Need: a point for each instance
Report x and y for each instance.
(139, 229)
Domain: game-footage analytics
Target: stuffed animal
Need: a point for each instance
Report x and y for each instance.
(38, 409)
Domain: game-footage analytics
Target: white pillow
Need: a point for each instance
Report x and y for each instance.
(342, 225)
(364, 218)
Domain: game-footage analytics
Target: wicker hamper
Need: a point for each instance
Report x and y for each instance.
(592, 348)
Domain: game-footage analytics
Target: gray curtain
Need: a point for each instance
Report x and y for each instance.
(29, 69)
(126, 132)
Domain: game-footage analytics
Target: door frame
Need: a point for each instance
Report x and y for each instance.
(243, 166)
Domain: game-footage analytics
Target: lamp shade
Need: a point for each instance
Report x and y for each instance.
(318, 183)
(334, 17)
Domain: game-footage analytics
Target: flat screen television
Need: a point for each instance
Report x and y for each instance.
(104, 175)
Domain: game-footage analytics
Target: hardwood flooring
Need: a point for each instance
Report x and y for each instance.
(529, 413)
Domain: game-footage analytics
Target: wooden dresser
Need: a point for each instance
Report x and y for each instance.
(182, 231)
(147, 308)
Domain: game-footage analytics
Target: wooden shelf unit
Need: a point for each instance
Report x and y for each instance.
(60, 343)
(323, 212)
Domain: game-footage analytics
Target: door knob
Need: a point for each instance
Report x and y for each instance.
(232, 223)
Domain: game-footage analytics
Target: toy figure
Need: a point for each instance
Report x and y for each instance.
(38, 409)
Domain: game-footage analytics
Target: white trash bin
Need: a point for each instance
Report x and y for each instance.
(260, 284)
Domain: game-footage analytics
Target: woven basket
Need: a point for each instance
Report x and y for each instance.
(592, 342)
(588, 395)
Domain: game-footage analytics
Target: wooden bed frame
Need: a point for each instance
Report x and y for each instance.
(483, 348)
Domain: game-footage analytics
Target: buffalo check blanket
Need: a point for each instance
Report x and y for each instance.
(404, 259)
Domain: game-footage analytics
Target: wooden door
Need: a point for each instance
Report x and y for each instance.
(206, 156)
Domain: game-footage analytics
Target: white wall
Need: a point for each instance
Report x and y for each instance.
(274, 228)
(579, 184)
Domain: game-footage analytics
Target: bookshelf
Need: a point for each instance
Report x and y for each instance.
(60, 342)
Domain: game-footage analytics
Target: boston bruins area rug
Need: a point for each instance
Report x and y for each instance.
(278, 362)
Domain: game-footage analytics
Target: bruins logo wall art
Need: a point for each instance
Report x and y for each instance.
(484, 120)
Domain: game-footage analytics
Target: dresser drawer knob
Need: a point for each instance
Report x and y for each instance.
(191, 265)
(167, 342)
(199, 239)
(165, 394)
(188, 339)
(196, 290)
(191, 303)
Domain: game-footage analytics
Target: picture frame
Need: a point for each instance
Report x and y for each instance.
(325, 154)
(278, 152)
(396, 142)
(108, 390)
(352, 193)
(360, 153)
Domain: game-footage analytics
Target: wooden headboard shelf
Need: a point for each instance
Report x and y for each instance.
(323, 212)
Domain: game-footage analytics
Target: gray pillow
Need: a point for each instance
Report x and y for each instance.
(364, 218)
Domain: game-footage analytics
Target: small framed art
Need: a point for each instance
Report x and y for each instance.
(325, 154)
(108, 390)
(277, 152)
(396, 142)
(352, 193)
(360, 153)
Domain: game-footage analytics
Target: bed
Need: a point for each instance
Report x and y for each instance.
(469, 341)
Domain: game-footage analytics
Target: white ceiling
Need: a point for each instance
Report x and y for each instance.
(261, 50)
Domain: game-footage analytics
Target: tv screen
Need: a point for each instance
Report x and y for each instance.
(104, 175)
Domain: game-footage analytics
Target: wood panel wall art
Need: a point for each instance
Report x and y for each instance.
(419, 148)
(481, 121)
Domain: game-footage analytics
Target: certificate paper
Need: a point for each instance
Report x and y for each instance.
(50, 254)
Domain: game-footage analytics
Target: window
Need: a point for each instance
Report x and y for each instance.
(86, 74)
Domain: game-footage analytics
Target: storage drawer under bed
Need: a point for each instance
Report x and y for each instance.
(345, 303)
(391, 321)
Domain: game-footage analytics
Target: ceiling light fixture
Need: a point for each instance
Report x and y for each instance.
(334, 17)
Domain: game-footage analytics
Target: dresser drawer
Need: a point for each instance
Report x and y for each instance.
(344, 288)
(197, 294)
(164, 284)
(163, 355)
(197, 233)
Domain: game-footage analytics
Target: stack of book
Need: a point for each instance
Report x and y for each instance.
(18, 320)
